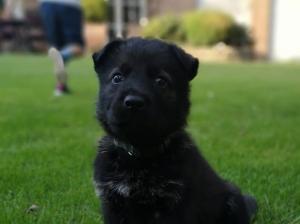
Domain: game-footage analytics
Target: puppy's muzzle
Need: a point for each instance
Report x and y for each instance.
(134, 102)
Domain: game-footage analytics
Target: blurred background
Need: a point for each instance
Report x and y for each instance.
(210, 29)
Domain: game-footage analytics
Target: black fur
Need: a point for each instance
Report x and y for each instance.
(147, 169)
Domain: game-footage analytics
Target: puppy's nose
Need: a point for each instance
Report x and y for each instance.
(134, 102)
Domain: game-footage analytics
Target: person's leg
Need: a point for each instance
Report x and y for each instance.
(49, 14)
(72, 23)
(51, 24)
(70, 26)
(59, 71)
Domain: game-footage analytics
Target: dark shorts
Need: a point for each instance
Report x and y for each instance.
(63, 24)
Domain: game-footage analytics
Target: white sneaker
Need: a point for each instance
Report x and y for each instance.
(61, 89)
(58, 93)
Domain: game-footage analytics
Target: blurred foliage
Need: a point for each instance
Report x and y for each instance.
(238, 36)
(95, 10)
(164, 27)
(198, 28)
(206, 27)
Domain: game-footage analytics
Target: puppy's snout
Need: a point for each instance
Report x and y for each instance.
(134, 102)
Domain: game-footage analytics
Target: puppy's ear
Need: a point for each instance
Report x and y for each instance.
(187, 61)
(100, 57)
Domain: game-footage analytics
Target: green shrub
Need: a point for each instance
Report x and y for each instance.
(198, 28)
(206, 27)
(95, 10)
(164, 27)
(238, 36)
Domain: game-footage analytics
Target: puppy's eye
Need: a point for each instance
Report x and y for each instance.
(161, 82)
(117, 78)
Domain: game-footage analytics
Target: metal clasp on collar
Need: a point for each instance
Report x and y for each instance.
(127, 147)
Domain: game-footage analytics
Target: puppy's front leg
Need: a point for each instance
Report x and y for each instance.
(111, 214)
(237, 210)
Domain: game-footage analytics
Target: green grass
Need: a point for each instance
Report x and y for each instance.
(246, 117)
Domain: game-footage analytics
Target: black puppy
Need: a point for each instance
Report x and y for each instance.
(148, 170)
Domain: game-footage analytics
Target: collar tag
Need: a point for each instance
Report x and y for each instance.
(127, 147)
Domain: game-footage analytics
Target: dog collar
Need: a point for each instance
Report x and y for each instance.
(133, 151)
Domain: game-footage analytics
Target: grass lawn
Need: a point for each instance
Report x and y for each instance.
(246, 117)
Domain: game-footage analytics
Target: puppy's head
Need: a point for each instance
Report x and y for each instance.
(144, 94)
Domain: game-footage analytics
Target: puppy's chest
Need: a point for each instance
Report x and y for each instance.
(142, 186)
